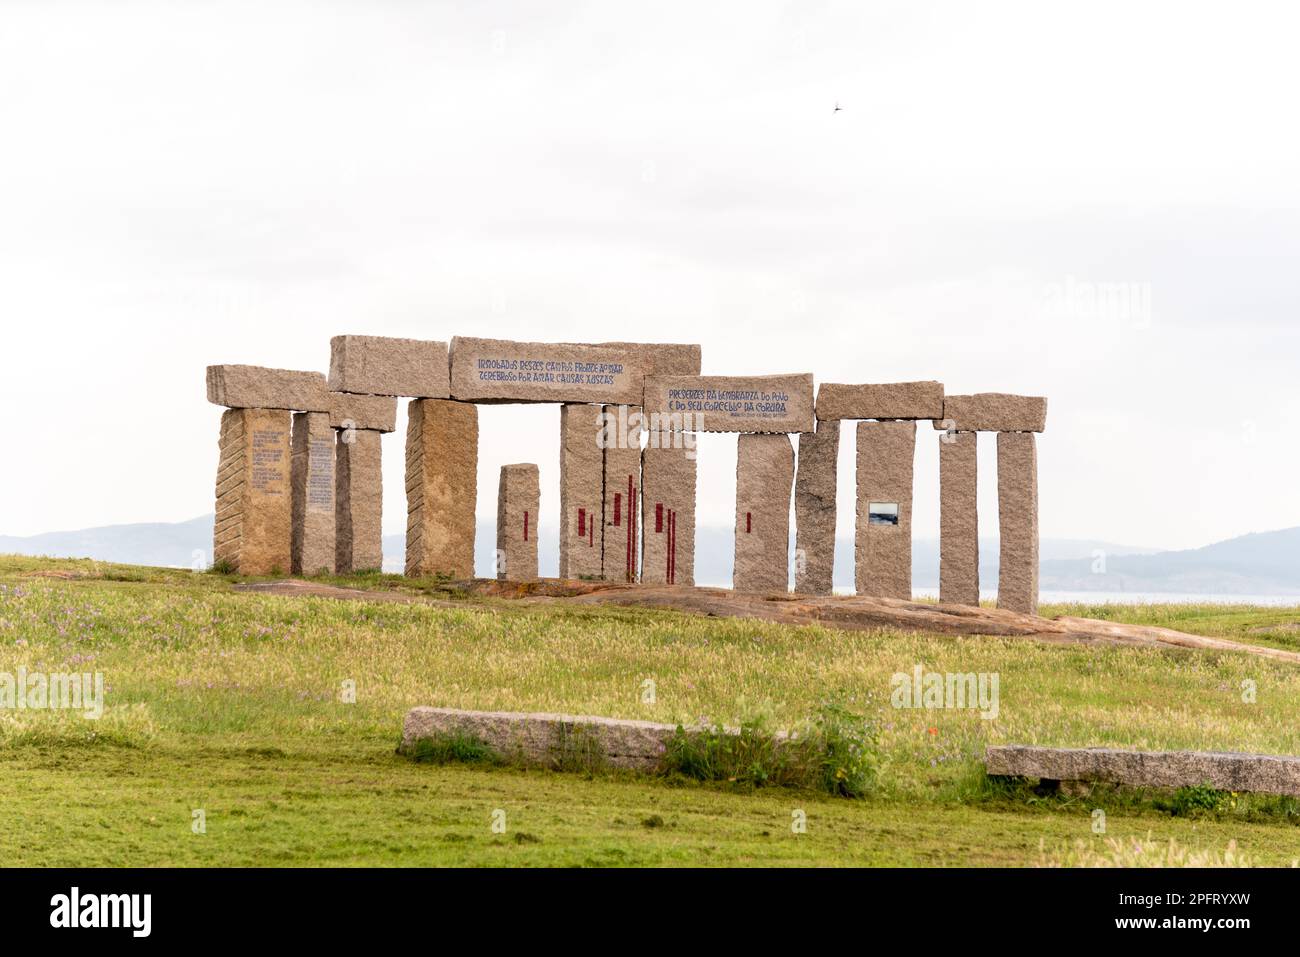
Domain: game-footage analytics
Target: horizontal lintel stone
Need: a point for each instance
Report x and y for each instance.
(382, 365)
(377, 412)
(256, 387)
(660, 358)
(891, 400)
(499, 370)
(993, 412)
(761, 403)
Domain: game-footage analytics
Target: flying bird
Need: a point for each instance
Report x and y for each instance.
(837, 107)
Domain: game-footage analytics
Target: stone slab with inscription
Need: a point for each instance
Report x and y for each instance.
(358, 501)
(499, 370)
(312, 475)
(765, 403)
(252, 532)
(658, 358)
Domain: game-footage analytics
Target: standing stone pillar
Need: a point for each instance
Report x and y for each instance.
(814, 509)
(358, 502)
(959, 536)
(883, 540)
(518, 498)
(312, 475)
(622, 492)
(668, 473)
(582, 469)
(252, 533)
(441, 487)
(764, 478)
(1018, 522)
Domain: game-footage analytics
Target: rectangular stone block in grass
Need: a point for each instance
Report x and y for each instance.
(1223, 770)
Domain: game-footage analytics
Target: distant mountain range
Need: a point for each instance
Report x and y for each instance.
(1266, 563)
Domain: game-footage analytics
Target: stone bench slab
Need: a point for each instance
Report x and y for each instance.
(1224, 770)
(540, 738)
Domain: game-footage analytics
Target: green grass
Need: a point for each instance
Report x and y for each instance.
(230, 702)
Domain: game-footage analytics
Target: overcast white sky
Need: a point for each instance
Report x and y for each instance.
(190, 183)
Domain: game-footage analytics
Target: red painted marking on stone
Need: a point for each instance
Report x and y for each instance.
(582, 523)
(659, 516)
(749, 522)
(672, 547)
(632, 535)
(525, 526)
(618, 508)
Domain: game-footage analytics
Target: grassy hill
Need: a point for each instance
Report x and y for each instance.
(229, 702)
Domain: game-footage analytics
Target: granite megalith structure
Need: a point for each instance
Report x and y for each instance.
(299, 483)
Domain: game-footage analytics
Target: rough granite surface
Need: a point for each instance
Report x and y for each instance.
(1018, 522)
(814, 509)
(441, 487)
(764, 477)
(253, 529)
(312, 474)
(381, 365)
(518, 494)
(891, 400)
(959, 542)
(883, 553)
(1224, 770)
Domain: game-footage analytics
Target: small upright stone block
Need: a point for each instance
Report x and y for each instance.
(764, 477)
(959, 540)
(668, 473)
(499, 370)
(441, 487)
(381, 365)
(376, 412)
(253, 529)
(1018, 522)
(712, 403)
(883, 543)
(518, 497)
(622, 493)
(814, 509)
(582, 470)
(313, 494)
(359, 502)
